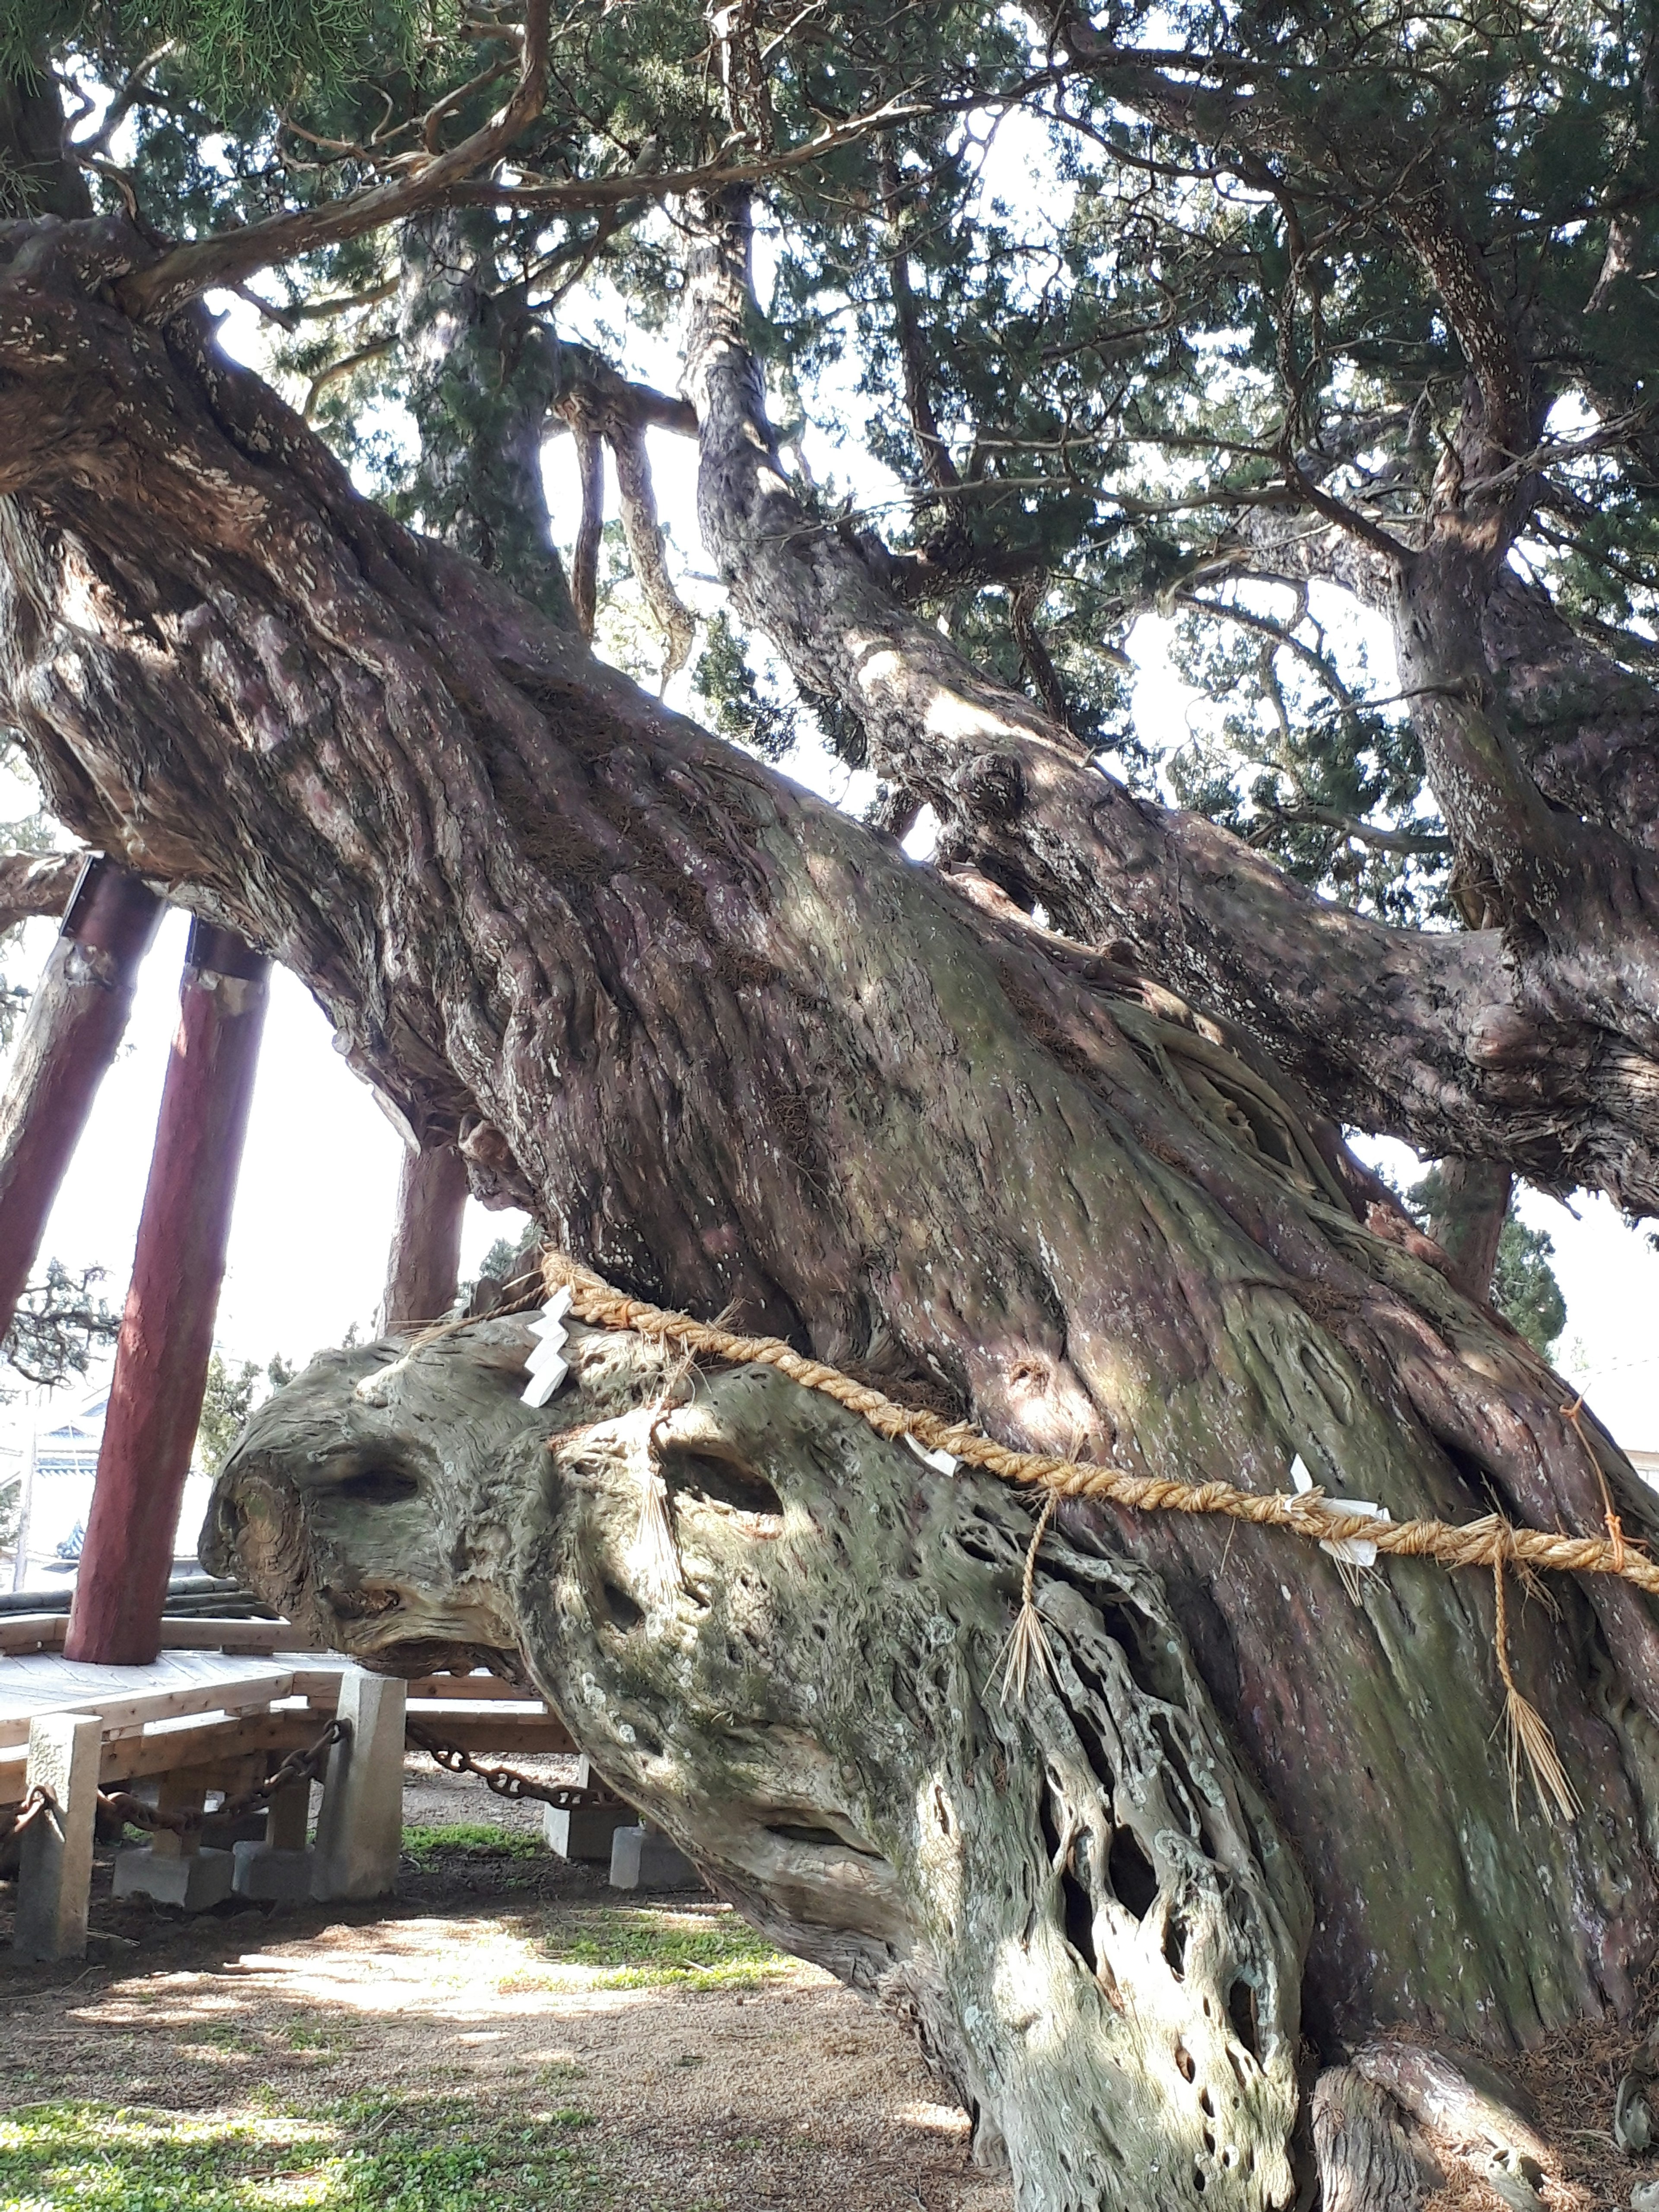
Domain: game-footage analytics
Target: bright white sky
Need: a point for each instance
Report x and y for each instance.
(313, 1212)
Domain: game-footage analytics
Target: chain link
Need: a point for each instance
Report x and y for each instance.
(305, 1766)
(39, 1800)
(507, 1781)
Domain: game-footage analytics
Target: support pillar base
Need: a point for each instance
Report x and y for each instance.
(272, 1876)
(640, 1860)
(195, 1882)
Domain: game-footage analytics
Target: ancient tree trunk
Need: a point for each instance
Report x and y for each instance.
(1467, 1223)
(734, 1049)
(1078, 1895)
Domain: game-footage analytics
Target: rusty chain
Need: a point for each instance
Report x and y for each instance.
(305, 1766)
(507, 1781)
(36, 1802)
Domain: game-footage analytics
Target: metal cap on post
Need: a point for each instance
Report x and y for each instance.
(167, 1330)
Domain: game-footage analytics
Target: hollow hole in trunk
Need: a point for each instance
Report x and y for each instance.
(822, 1839)
(620, 1607)
(1079, 1918)
(1131, 1874)
(1241, 2012)
(378, 1485)
(1184, 2066)
(1199, 2182)
(1152, 1675)
(723, 1482)
(1175, 1948)
(1051, 1832)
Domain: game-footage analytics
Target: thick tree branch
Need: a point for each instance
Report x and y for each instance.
(153, 293)
(228, 259)
(36, 884)
(1423, 1035)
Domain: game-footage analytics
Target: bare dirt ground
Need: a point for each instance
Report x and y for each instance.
(685, 2066)
(511, 2032)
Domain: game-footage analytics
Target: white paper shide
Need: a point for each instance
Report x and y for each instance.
(547, 1363)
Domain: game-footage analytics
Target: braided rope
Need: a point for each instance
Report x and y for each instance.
(1491, 1541)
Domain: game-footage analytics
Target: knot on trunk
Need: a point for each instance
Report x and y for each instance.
(991, 787)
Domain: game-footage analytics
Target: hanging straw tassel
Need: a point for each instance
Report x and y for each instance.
(1525, 1729)
(654, 1554)
(1028, 1643)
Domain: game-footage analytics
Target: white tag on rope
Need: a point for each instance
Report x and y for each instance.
(547, 1365)
(941, 1460)
(1357, 1551)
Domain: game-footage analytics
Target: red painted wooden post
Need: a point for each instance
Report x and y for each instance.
(68, 1038)
(425, 1263)
(166, 1331)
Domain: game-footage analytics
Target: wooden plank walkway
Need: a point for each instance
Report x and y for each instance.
(196, 1705)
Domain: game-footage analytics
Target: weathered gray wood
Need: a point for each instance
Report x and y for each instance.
(1367, 2160)
(1465, 2105)
(1081, 1900)
(54, 1879)
(359, 1829)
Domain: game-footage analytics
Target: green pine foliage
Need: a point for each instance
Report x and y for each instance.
(1524, 1285)
(234, 1388)
(232, 50)
(1075, 355)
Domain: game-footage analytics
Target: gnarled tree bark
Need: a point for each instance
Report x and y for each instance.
(1451, 1042)
(732, 1050)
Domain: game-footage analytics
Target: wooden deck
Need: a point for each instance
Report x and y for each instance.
(201, 1705)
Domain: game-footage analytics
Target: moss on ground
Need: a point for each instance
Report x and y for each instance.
(645, 1948)
(470, 1839)
(382, 2153)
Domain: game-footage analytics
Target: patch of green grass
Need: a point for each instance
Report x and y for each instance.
(388, 2153)
(648, 1948)
(328, 2040)
(470, 1839)
(76, 2157)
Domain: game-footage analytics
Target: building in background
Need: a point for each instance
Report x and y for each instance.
(49, 1446)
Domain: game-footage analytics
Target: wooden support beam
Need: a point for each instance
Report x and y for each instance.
(166, 1331)
(424, 1267)
(70, 1035)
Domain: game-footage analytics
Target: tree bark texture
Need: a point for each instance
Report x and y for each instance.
(166, 1328)
(1080, 1898)
(70, 1035)
(1492, 1043)
(732, 1050)
(1467, 1223)
(33, 884)
(424, 1267)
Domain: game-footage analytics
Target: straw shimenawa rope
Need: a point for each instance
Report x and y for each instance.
(1491, 1541)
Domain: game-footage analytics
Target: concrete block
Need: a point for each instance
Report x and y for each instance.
(193, 1880)
(584, 1832)
(361, 1826)
(54, 1872)
(641, 1859)
(265, 1873)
